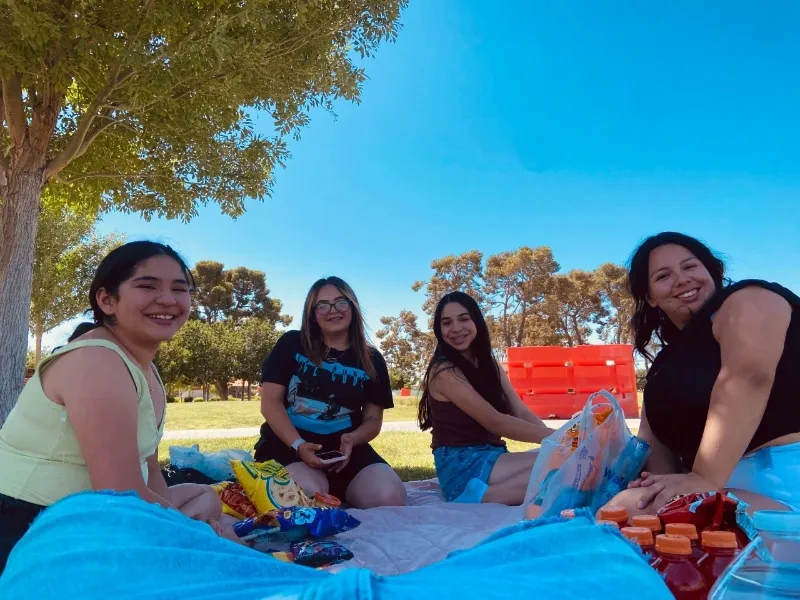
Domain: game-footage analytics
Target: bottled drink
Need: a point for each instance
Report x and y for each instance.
(687, 530)
(673, 561)
(618, 514)
(769, 568)
(643, 537)
(651, 522)
(720, 548)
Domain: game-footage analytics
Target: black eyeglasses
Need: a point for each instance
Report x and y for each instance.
(324, 308)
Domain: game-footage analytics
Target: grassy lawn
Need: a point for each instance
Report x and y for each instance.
(408, 452)
(238, 413)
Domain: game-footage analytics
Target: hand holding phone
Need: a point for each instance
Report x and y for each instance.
(330, 457)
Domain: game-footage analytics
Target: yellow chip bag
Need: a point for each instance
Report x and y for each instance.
(268, 485)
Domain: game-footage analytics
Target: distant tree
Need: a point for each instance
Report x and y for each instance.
(67, 256)
(233, 294)
(641, 378)
(612, 283)
(575, 307)
(516, 286)
(462, 272)
(256, 339)
(405, 348)
(146, 106)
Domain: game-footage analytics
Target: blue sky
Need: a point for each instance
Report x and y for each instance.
(583, 126)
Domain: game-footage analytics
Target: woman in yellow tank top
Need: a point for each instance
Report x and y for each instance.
(92, 415)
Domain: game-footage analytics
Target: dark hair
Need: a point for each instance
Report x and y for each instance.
(82, 328)
(311, 334)
(485, 378)
(118, 266)
(648, 319)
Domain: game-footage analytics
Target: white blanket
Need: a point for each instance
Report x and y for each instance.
(394, 540)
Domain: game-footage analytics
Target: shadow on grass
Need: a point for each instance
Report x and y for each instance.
(415, 473)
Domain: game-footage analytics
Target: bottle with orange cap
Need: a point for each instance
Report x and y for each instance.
(673, 561)
(651, 522)
(643, 537)
(720, 549)
(618, 514)
(687, 530)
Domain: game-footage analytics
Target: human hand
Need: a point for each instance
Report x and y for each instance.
(205, 506)
(645, 480)
(346, 444)
(658, 490)
(308, 454)
(635, 500)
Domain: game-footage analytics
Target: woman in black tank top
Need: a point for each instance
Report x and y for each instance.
(722, 400)
(469, 404)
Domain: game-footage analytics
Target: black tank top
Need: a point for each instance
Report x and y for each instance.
(678, 391)
(451, 426)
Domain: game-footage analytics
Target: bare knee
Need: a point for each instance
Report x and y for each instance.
(311, 481)
(376, 485)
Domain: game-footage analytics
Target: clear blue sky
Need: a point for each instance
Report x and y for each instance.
(583, 126)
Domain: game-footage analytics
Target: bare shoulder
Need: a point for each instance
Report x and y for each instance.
(86, 371)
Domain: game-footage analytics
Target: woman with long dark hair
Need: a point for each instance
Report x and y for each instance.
(324, 388)
(722, 400)
(469, 405)
(92, 415)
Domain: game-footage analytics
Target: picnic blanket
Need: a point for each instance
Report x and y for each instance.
(107, 545)
(394, 539)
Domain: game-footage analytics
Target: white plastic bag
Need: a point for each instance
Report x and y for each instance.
(588, 461)
(216, 465)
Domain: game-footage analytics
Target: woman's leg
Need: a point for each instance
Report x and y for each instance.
(376, 485)
(196, 501)
(509, 478)
(311, 481)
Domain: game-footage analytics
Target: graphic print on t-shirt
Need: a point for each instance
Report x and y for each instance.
(312, 395)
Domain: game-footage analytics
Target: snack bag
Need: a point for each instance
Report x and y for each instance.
(711, 511)
(320, 554)
(296, 523)
(268, 485)
(587, 462)
(234, 501)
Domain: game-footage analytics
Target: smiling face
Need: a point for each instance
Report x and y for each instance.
(458, 328)
(332, 310)
(678, 283)
(153, 304)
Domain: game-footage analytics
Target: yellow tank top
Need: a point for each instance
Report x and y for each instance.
(40, 460)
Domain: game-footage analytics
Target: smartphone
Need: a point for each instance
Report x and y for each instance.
(328, 458)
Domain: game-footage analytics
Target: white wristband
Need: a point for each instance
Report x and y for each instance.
(296, 444)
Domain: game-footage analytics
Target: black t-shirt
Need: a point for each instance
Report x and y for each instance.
(678, 391)
(325, 399)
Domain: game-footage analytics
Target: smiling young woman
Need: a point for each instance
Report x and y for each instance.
(721, 403)
(469, 404)
(92, 415)
(325, 388)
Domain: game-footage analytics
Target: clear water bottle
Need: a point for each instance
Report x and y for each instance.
(769, 567)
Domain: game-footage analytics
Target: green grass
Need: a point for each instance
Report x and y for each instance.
(238, 413)
(408, 452)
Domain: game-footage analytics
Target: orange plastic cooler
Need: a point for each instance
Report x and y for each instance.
(555, 381)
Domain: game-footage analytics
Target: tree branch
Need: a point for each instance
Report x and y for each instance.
(106, 176)
(14, 110)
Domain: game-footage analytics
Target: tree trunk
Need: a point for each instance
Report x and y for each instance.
(222, 389)
(39, 332)
(19, 219)
(248, 390)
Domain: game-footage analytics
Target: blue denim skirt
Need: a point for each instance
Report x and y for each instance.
(458, 467)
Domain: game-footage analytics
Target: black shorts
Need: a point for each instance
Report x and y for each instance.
(270, 447)
(16, 517)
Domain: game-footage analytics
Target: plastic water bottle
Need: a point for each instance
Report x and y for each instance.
(769, 567)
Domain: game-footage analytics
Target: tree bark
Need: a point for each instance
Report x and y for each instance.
(19, 219)
(222, 389)
(39, 333)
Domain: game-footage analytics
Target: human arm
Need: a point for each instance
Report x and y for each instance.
(750, 328)
(95, 387)
(155, 478)
(518, 408)
(274, 413)
(450, 385)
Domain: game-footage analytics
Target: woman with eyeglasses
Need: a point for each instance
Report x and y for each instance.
(324, 388)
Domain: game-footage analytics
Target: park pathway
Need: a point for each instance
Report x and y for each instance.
(204, 434)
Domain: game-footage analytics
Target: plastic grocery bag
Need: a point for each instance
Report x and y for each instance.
(586, 462)
(216, 465)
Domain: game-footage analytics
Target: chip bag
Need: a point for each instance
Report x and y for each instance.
(234, 501)
(710, 511)
(296, 523)
(320, 554)
(587, 462)
(268, 485)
